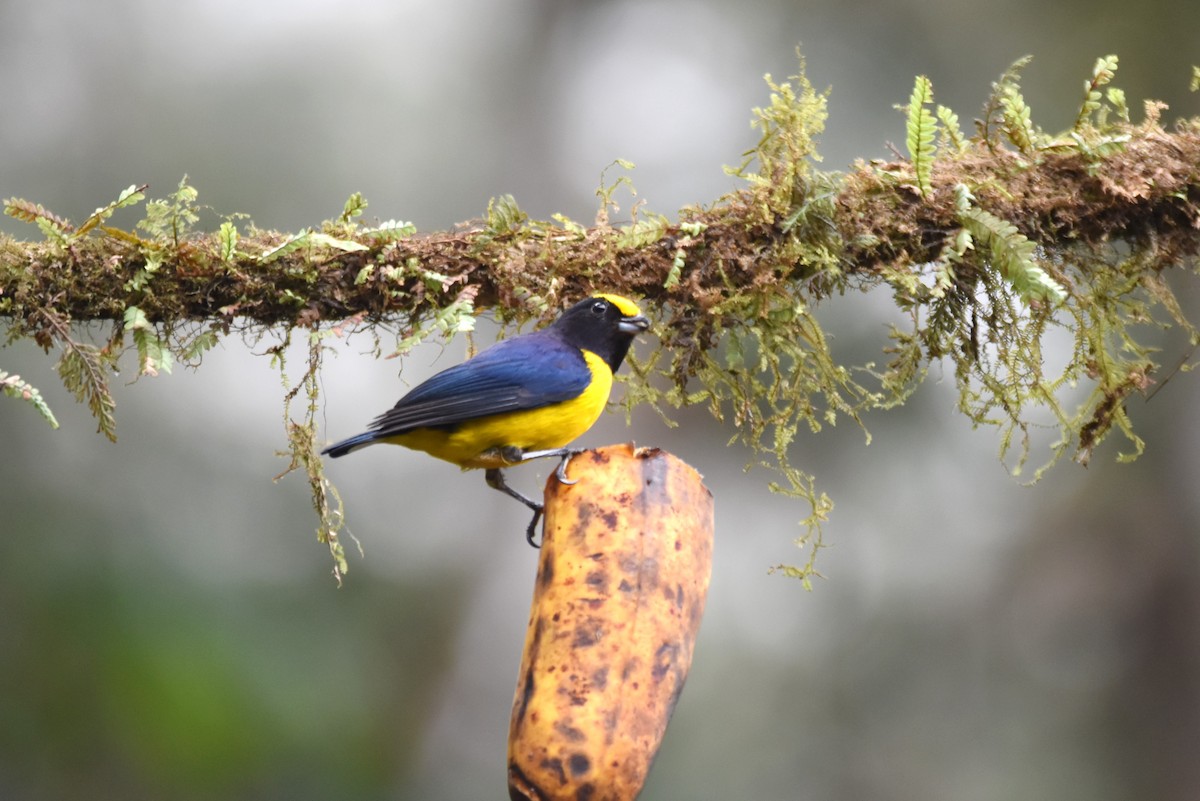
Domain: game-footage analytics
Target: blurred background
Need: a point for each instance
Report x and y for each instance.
(168, 625)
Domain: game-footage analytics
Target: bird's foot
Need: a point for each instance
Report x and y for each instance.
(514, 455)
(494, 477)
(562, 453)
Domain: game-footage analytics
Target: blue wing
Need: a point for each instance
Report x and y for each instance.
(526, 372)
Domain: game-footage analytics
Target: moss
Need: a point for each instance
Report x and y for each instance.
(987, 244)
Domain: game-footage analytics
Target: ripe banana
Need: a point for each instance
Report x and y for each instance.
(622, 578)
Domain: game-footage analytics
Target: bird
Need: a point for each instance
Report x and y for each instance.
(523, 398)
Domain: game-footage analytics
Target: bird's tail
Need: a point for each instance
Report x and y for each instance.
(348, 445)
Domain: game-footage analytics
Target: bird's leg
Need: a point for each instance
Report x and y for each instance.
(511, 454)
(494, 477)
(563, 453)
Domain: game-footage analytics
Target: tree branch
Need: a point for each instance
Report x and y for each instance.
(1147, 194)
(986, 244)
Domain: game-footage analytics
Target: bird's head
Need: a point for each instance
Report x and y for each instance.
(604, 324)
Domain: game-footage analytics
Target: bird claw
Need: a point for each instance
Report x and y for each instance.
(563, 453)
(561, 471)
(495, 479)
(514, 455)
(531, 532)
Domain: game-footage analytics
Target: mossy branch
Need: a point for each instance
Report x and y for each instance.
(986, 243)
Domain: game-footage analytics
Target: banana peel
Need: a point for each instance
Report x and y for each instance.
(622, 578)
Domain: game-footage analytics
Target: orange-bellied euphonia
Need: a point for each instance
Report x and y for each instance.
(520, 399)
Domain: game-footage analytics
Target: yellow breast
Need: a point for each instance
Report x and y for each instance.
(475, 443)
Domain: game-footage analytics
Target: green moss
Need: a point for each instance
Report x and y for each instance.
(987, 243)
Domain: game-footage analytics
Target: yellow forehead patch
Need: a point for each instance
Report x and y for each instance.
(626, 306)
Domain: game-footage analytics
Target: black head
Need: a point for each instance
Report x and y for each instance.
(604, 324)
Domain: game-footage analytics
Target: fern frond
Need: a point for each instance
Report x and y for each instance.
(643, 233)
(504, 215)
(1016, 121)
(456, 318)
(191, 351)
(921, 129)
(355, 205)
(227, 239)
(1116, 100)
(1102, 73)
(52, 232)
(128, 237)
(1012, 253)
(153, 355)
(991, 114)
(15, 387)
(310, 239)
(83, 374)
(389, 231)
(170, 219)
(344, 245)
(129, 196)
(30, 212)
(951, 132)
(963, 199)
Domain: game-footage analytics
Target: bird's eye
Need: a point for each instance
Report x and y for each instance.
(599, 307)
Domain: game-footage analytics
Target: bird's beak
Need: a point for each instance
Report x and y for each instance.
(633, 325)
